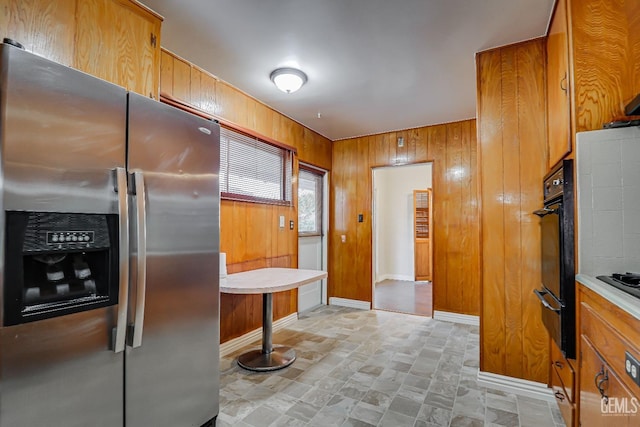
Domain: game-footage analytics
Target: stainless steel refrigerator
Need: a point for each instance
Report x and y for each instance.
(108, 254)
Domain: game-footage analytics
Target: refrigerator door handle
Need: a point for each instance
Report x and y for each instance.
(120, 331)
(141, 214)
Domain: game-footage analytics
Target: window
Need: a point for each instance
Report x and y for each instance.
(254, 170)
(309, 203)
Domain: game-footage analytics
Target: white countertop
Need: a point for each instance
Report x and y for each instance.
(625, 301)
(268, 280)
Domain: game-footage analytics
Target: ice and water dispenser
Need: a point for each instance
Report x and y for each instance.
(58, 263)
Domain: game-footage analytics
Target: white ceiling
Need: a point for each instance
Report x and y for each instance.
(373, 65)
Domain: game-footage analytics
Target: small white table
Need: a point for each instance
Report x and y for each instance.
(266, 281)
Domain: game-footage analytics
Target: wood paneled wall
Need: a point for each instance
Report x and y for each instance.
(511, 131)
(605, 50)
(250, 234)
(452, 149)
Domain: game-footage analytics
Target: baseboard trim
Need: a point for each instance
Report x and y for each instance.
(236, 344)
(401, 277)
(516, 386)
(351, 303)
(447, 316)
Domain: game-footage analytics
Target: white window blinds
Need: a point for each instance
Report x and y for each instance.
(253, 170)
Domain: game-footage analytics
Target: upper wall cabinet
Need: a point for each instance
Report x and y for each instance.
(593, 68)
(44, 27)
(558, 100)
(116, 40)
(119, 41)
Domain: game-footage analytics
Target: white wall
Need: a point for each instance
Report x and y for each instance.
(393, 221)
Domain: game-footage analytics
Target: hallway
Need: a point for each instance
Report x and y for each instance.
(404, 297)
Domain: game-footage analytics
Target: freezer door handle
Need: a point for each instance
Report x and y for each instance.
(141, 216)
(120, 331)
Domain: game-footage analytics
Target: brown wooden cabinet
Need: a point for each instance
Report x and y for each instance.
(562, 377)
(116, 40)
(44, 27)
(119, 41)
(608, 395)
(422, 234)
(604, 399)
(558, 81)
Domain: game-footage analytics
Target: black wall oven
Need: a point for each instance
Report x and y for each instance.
(557, 292)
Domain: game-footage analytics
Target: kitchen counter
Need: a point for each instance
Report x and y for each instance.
(621, 299)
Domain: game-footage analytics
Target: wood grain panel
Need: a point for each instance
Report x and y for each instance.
(511, 207)
(182, 80)
(43, 27)
(337, 225)
(166, 72)
(532, 169)
(363, 207)
(196, 90)
(437, 147)
(511, 129)
(469, 221)
(113, 42)
(208, 93)
(351, 277)
(606, 59)
(452, 200)
(492, 171)
(445, 145)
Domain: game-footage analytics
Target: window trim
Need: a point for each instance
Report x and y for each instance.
(293, 152)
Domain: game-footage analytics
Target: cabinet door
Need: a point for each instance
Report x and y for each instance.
(44, 27)
(558, 108)
(620, 408)
(119, 41)
(422, 234)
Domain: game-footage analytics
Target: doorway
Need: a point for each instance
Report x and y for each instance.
(312, 231)
(394, 273)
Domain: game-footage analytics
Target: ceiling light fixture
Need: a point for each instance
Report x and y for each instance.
(288, 80)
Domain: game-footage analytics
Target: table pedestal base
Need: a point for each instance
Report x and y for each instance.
(257, 360)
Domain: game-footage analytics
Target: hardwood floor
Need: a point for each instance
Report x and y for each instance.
(404, 297)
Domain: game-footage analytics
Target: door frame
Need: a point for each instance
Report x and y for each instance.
(324, 228)
(374, 221)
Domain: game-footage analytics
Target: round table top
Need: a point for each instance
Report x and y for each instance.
(268, 280)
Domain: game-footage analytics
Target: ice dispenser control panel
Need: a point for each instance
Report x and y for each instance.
(60, 237)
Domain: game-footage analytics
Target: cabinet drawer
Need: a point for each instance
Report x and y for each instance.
(608, 343)
(563, 370)
(567, 408)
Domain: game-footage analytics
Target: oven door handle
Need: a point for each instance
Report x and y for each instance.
(544, 302)
(544, 212)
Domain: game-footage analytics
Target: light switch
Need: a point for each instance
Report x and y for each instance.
(291, 225)
(281, 221)
(343, 238)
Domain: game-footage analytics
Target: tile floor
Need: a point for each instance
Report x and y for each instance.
(404, 296)
(374, 368)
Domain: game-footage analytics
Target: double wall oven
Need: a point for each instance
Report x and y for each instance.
(557, 291)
